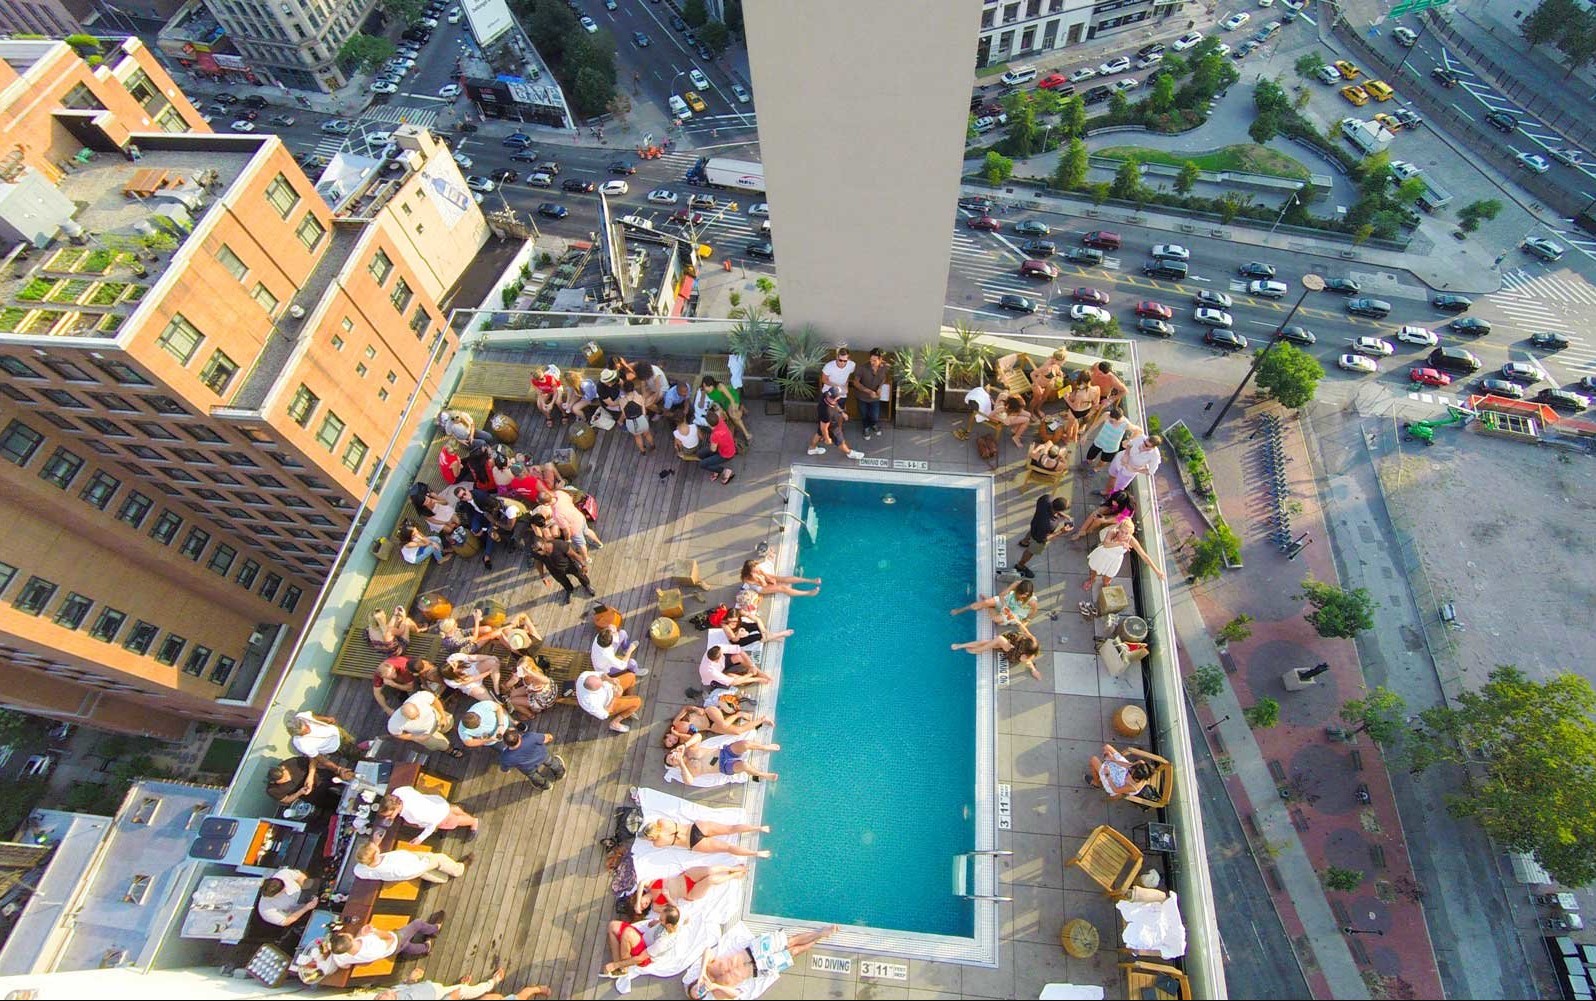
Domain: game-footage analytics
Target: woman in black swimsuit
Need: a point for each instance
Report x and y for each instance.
(702, 836)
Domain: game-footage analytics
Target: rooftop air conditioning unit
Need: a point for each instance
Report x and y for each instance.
(297, 312)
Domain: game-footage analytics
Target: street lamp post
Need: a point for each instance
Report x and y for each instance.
(1283, 210)
(1310, 283)
(1349, 930)
(1424, 30)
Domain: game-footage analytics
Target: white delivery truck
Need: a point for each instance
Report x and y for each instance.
(1370, 137)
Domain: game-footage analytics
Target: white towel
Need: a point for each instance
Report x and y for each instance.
(1154, 926)
(737, 937)
(652, 862)
(709, 779)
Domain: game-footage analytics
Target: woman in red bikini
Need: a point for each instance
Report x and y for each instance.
(685, 887)
(629, 943)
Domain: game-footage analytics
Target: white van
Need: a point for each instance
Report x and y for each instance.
(679, 108)
(1019, 75)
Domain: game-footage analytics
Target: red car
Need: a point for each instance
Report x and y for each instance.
(1156, 310)
(1052, 80)
(686, 217)
(249, 114)
(985, 222)
(1090, 296)
(1429, 377)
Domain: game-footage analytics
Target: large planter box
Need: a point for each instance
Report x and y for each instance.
(800, 411)
(913, 417)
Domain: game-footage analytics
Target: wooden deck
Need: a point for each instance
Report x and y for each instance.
(537, 898)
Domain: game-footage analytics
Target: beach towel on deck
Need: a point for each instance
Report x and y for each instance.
(709, 778)
(702, 921)
(653, 862)
(737, 938)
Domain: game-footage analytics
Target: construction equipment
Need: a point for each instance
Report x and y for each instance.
(1425, 430)
(650, 152)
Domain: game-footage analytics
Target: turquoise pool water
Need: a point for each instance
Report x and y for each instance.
(876, 716)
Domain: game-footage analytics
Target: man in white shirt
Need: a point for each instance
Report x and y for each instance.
(609, 657)
(1140, 457)
(286, 896)
(609, 698)
(372, 943)
(837, 373)
(400, 864)
(422, 719)
(713, 669)
(426, 810)
(319, 737)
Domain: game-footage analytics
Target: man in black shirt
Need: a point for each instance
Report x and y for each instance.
(554, 556)
(1050, 520)
(300, 778)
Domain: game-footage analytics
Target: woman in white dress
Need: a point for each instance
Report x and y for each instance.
(1104, 562)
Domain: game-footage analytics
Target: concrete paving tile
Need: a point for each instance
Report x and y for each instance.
(1037, 860)
(1037, 965)
(1026, 712)
(1078, 718)
(1081, 808)
(1036, 914)
(1076, 674)
(1035, 809)
(980, 982)
(930, 976)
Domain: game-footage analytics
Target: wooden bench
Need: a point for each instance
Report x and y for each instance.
(393, 582)
(498, 380)
(477, 406)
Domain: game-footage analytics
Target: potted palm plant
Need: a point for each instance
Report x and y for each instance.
(751, 338)
(795, 361)
(915, 377)
(968, 361)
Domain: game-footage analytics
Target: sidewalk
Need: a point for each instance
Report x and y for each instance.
(1299, 788)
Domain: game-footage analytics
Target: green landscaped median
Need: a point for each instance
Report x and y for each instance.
(1245, 158)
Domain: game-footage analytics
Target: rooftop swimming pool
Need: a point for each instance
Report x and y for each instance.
(884, 800)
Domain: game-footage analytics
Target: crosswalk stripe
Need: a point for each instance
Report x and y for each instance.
(421, 117)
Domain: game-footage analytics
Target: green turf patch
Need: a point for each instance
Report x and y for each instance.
(1247, 158)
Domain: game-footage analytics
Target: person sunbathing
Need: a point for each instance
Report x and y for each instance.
(1018, 645)
(1015, 603)
(769, 955)
(762, 577)
(684, 887)
(699, 719)
(702, 836)
(1117, 775)
(693, 759)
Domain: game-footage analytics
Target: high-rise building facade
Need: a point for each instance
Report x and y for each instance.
(1020, 29)
(295, 41)
(204, 355)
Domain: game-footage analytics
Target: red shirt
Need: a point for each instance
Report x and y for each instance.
(545, 383)
(721, 438)
(449, 465)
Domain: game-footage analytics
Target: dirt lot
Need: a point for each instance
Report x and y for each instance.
(1505, 531)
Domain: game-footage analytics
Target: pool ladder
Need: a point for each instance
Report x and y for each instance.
(960, 879)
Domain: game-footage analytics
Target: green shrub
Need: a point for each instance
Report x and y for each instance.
(1263, 714)
(36, 290)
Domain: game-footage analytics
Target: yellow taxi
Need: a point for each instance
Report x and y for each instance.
(694, 101)
(1379, 90)
(1347, 70)
(1355, 94)
(1391, 124)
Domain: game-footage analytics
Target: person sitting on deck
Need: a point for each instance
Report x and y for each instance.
(712, 719)
(609, 699)
(390, 636)
(404, 676)
(1046, 457)
(728, 759)
(1015, 603)
(552, 397)
(1018, 645)
(729, 667)
(702, 836)
(762, 577)
(483, 724)
(609, 656)
(1117, 775)
(529, 691)
(631, 944)
(474, 674)
(417, 547)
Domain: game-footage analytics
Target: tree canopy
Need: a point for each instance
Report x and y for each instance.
(999, 168)
(1290, 375)
(1380, 714)
(1338, 613)
(1072, 166)
(365, 51)
(1536, 789)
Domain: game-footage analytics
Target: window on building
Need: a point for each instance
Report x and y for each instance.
(100, 489)
(74, 609)
(257, 436)
(987, 17)
(382, 395)
(266, 480)
(171, 649)
(225, 479)
(281, 196)
(146, 452)
(135, 508)
(210, 495)
(332, 428)
(35, 594)
(171, 120)
(218, 373)
(110, 429)
(19, 442)
(201, 433)
(169, 490)
(165, 528)
(247, 574)
(419, 322)
(180, 475)
(100, 447)
(337, 343)
(81, 98)
(236, 459)
(197, 660)
(232, 262)
(180, 339)
(223, 669)
(141, 637)
(264, 297)
(8, 573)
(302, 405)
(157, 431)
(15, 393)
(62, 398)
(1055, 6)
(1033, 8)
(107, 625)
(165, 405)
(381, 267)
(268, 587)
(1011, 13)
(67, 370)
(291, 598)
(194, 543)
(112, 401)
(17, 368)
(59, 421)
(222, 559)
(310, 231)
(61, 468)
(401, 295)
(122, 373)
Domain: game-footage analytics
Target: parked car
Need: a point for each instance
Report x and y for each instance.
(1119, 65)
(1256, 270)
(1357, 363)
(243, 125)
(615, 188)
(1186, 41)
(1080, 312)
(1216, 300)
(1173, 251)
(1471, 325)
(700, 81)
(1154, 309)
(286, 121)
(1567, 156)
(1084, 255)
(1052, 81)
(1097, 95)
(449, 91)
(1039, 248)
(1563, 399)
(1550, 340)
(622, 168)
(1225, 339)
(1409, 334)
(764, 250)
(1444, 77)
(1546, 250)
(553, 210)
(661, 196)
(1342, 286)
(1084, 73)
(1327, 74)
(478, 183)
(1522, 372)
(694, 101)
(337, 126)
(527, 155)
(1090, 296)
(518, 140)
(1235, 21)
(253, 101)
(984, 222)
(578, 185)
(1037, 268)
(1501, 387)
(741, 93)
(975, 203)
(1267, 289)
(504, 176)
(1155, 326)
(1501, 121)
(1533, 162)
(1126, 83)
